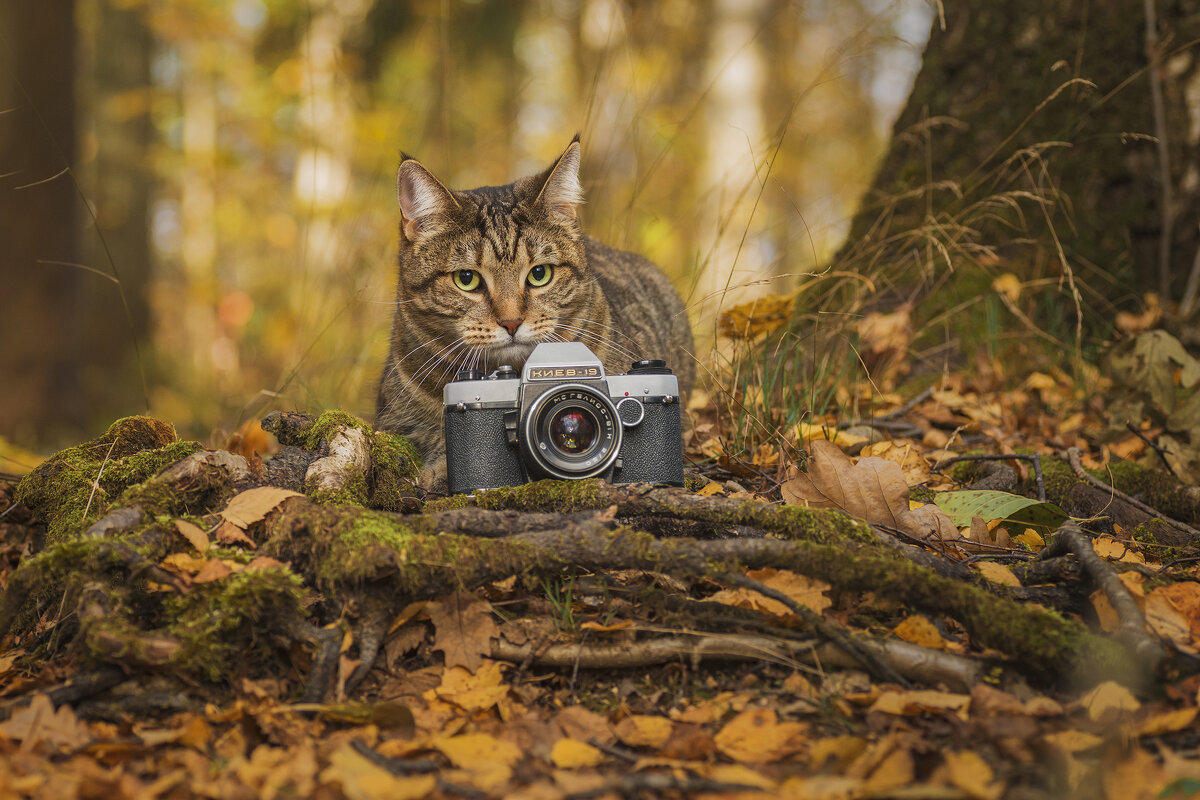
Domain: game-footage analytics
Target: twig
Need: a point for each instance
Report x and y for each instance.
(96, 483)
(1073, 454)
(656, 785)
(1132, 629)
(1164, 154)
(823, 627)
(623, 753)
(1162, 451)
(893, 414)
(1178, 561)
(396, 766)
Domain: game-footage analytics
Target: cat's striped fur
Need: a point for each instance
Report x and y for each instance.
(617, 303)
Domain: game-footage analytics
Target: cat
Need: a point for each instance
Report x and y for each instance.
(488, 273)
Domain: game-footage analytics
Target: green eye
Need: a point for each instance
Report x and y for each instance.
(467, 280)
(540, 275)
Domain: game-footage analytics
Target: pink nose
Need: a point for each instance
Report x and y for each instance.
(511, 325)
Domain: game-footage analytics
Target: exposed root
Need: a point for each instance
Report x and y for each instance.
(1073, 456)
(1132, 632)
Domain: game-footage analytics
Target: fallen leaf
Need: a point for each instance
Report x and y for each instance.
(967, 771)
(919, 630)
(808, 592)
(1166, 722)
(916, 702)
(1031, 539)
(40, 722)
(711, 488)
(1109, 701)
(570, 754)
(996, 573)
(640, 730)
(464, 629)
(195, 535)
(873, 489)
(361, 779)
(215, 570)
(476, 691)
(582, 724)
(756, 736)
(757, 317)
(229, 534)
(250, 506)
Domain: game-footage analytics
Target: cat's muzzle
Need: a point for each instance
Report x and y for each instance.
(562, 417)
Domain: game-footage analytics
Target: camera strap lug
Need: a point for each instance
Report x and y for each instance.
(510, 426)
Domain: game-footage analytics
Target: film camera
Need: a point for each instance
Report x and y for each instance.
(564, 418)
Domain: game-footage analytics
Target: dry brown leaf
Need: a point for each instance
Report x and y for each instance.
(195, 535)
(1185, 596)
(873, 489)
(1166, 722)
(464, 629)
(1167, 620)
(229, 534)
(215, 570)
(40, 722)
(912, 463)
(250, 506)
(582, 724)
(756, 736)
(1109, 701)
(809, 592)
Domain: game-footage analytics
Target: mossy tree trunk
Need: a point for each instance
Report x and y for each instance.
(1055, 99)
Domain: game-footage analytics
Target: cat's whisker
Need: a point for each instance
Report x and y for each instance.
(597, 324)
(592, 337)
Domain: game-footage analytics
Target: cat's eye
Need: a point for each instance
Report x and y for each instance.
(467, 279)
(540, 275)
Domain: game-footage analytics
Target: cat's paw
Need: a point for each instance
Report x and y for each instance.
(433, 476)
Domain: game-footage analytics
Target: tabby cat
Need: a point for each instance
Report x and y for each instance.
(488, 273)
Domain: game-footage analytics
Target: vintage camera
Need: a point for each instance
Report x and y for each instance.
(564, 418)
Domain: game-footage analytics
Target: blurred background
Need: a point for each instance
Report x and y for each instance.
(205, 188)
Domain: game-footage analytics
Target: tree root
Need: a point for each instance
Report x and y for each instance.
(1073, 456)
(1144, 647)
(908, 660)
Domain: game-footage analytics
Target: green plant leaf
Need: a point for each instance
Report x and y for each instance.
(962, 506)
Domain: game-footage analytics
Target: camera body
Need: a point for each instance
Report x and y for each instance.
(562, 417)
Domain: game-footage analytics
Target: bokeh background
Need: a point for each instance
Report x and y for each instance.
(210, 183)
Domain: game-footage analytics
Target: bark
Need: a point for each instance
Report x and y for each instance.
(1052, 98)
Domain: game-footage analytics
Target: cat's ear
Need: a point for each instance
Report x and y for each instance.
(562, 193)
(425, 204)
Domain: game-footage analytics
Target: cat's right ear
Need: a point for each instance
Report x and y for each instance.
(425, 204)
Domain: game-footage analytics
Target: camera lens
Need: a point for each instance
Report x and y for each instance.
(572, 431)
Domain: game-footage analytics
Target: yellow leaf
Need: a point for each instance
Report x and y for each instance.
(471, 750)
(711, 488)
(195, 535)
(1108, 701)
(973, 775)
(1166, 722)
(570, 754)
(916, 702)
(253, 504)
(996, 573)
(809, 592)
(1008, 285)
(919, 630)
(757, 317)
(756, 736)
(736, 773)
(641, 730)
(473, 692)
(1031, 539)
(361, 779)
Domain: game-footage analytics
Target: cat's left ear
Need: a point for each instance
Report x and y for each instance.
(562, 193)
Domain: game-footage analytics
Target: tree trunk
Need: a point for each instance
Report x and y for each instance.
(1054, 99)
(39, 223)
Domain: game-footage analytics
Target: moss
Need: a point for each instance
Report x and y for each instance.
(395, 466)
(354, 493)
(564, 496)
(328, 423)
(87, 477)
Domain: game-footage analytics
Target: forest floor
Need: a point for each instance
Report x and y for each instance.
(180, 622)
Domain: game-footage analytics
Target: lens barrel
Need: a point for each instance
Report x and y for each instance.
(572, 431)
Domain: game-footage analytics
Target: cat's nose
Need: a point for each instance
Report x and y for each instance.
(511, 325)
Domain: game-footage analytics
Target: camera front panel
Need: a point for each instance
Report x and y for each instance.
(478, 455)
(652, 450)
(569, 431)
